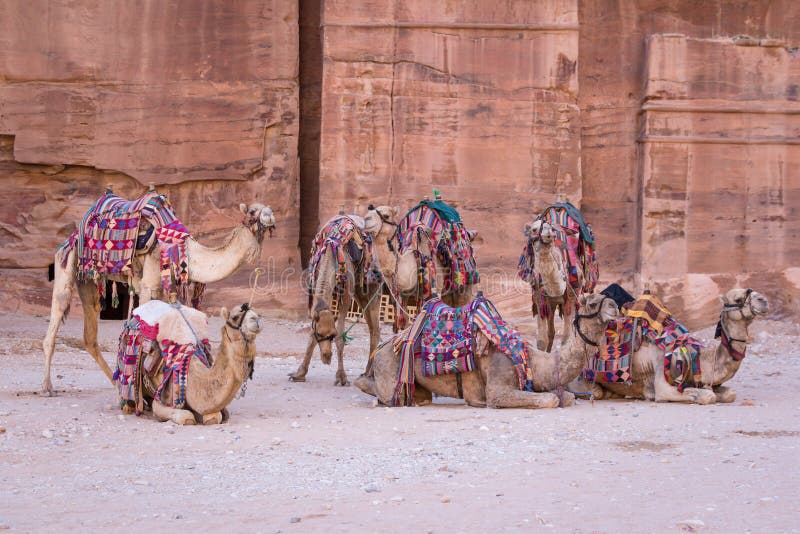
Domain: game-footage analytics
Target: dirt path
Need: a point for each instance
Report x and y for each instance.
(312, 457)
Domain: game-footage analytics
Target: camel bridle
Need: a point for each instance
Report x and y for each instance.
(385, 220)
(578, 317)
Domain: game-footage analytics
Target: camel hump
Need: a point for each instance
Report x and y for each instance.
(178, 324)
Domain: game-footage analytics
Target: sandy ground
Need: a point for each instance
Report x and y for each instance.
(314, 457)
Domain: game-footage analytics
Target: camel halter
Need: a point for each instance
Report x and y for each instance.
(385, 220)
(722, 332)
(251, 365)
(578, 317)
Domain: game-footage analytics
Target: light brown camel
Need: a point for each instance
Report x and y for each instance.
(208, 390)
(717, 363)
(325, 327)
(553, 290)
(494, 383)
(408, 277)
(206, 265)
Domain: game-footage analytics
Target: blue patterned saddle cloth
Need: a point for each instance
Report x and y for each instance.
(445, 344)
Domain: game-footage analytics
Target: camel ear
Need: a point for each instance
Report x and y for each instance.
(395, 210)
(724, 299)
(243, 208)
(582, 300)
(224, 313)
(315, 316)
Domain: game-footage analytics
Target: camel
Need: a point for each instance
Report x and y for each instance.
(495, 382)
(326, 329)
(206, 265)
(717, 363)
(209, 390)
(553, 291)
(415, 250)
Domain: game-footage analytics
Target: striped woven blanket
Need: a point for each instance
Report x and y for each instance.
(649, 318)
(438, 225)
(178, 334)
(345, 239)
(443, 339)
(105, 242)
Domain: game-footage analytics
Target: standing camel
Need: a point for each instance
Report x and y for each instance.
(435, 254)
(559, 263)
(205, 265)
(349, 259)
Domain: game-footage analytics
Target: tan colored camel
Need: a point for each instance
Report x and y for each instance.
(209, 390)
(326, 329)
(408, 277)
(206, 265)
(717, 365)
(495, 383)
(554, 290)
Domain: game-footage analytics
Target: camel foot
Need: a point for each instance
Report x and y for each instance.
(212, 418)
(297, 376)
(341, 379)
(128, 409)
(47, 389)
(702, 396)
(568, 399)
(184, 418)
(724, 394)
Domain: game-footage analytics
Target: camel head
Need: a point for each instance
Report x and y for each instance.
(744, 304)
(323, 328)
(242, 321)
(594, 313)
(258, 218)
(540, 230)
(381, 221)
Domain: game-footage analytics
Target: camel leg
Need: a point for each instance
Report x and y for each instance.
(551, 330)
(372, 316)
(62, 296)
(179, 417)
(302, 370)
(91, 315)
(502, 396)
(542, 341)
(341, 375)
(667, 393)
(212, 418)
(724, 394)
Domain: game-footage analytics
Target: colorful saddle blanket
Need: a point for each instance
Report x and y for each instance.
(146, 331)
(575, 240)
(439, 226)
(105, 242)
(443, 339)
(649, 318)
(344, 238)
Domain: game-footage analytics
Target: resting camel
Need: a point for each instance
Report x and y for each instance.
(206, 265)
(495, 383)
(718, 363)
(326, 328)
(208, 390)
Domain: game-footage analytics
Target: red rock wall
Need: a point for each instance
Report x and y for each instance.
(478, 99)
(200, 96)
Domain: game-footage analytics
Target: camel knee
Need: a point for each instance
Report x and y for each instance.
(725, 394)
(365, 384)
(568, 399)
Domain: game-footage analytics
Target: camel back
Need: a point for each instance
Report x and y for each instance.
(646, 320)
(345, 239)
(440, 225)
(575, 239)
(443, 337)
(108, 237)
(172, 335)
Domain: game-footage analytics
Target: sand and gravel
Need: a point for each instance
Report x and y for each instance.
(307, 457)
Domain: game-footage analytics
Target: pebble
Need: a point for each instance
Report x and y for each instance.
(295, 520)
(691, 524)
(445, 500)
(121, 417)
(276, 441)
(2, 430)
(397, 498)
(484, 428)
(47, 434)
(141, 483)
(371, 488)
(295, 424)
